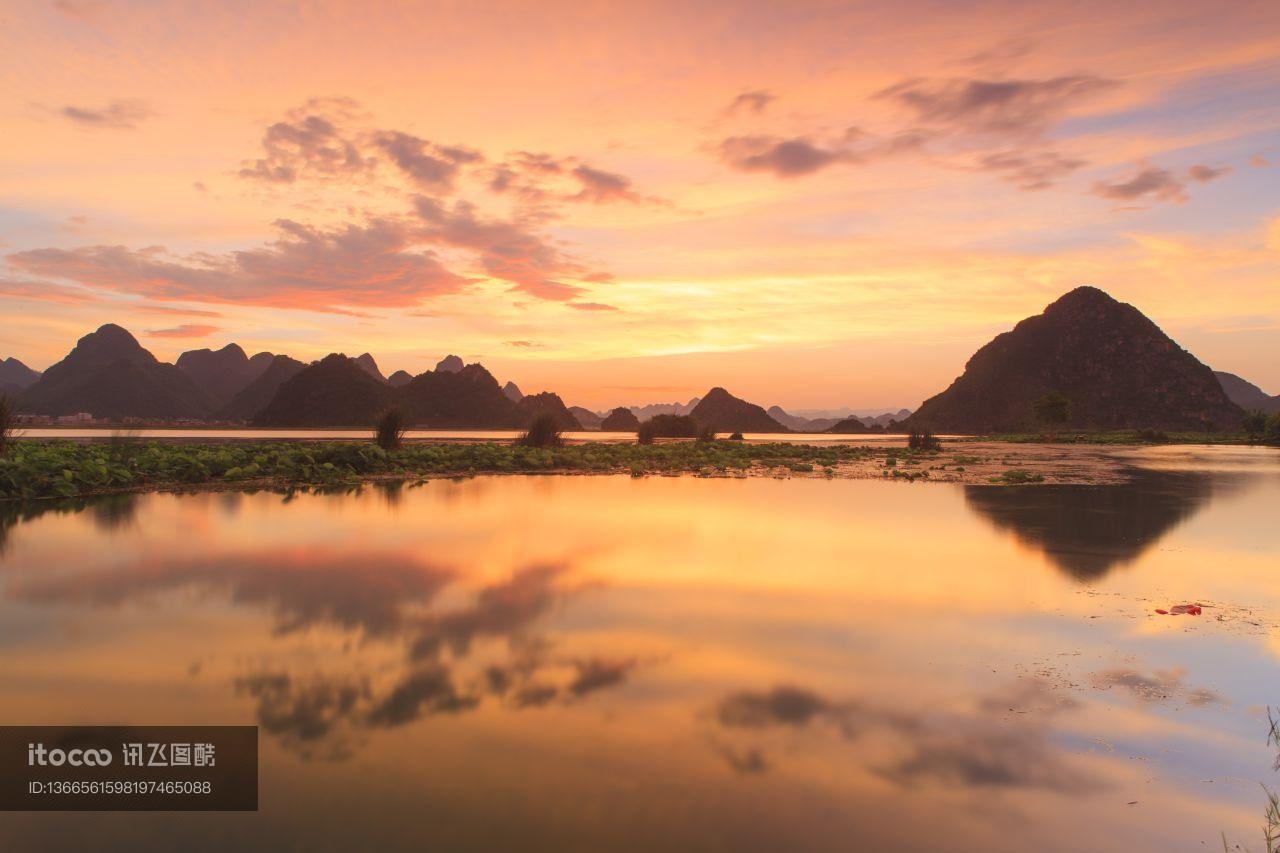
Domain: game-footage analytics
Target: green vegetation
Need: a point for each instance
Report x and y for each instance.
(667, 426)
(706, 434)
(388, 433)
(1018, 477)
(63, 469)
(926, 440)
(1261, 427)
(1053, 410)
(543, 431)
(8, 417)
(1122, 437)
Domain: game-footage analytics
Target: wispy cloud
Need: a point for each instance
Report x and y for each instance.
(121, 114)
(186, 330)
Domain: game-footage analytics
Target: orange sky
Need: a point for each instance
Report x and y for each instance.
(813, 204)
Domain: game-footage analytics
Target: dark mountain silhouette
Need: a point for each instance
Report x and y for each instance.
(723, 412)
(512, 391)
(849, 425)
(223, 373)
(1089, 530)
(644, 413)
(469, 398)
(255, 396)
(109, 375)
(532, 405)
(620, 419)
(586, 417)
(16, 377)
(399, 379)
(449, 364)
(801, 424)
(1116, 367)
(1246, 395)
(369, 366)
(335, 391)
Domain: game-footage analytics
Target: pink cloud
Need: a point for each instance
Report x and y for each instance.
(306, 268)
(186, 330)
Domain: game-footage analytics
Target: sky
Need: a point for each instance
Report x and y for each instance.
(813, 204)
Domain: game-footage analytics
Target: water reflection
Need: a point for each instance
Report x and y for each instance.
(1089, 530)
(607, 663)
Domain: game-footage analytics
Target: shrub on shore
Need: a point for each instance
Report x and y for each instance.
(389, 431)
(706, 434)
(543, 431)
(8, 418)
(926, 440)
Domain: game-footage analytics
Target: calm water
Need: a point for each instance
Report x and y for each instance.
(103, 434)
(602, 663)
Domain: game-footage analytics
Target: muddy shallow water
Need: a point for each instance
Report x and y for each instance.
(591, 663)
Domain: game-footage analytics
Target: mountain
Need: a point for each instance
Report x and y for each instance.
(1246, 395)
(532, 405)
(801, 424)
(1114, 366)
(16, 377)
(109, 375)
(653, 409)
(723, 412)
(369, 366)
(14, 372)
(620, 419)
(511, 390)
(449, 364)
(887, 418)
(255, 396)
(399, 379)
(223, 373)
(469, 398)
(335, 391)
(586, 417)
(849, 425)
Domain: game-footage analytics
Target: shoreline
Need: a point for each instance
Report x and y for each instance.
(38, 469)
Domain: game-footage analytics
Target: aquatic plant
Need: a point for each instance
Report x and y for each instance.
(64, 469)
(388, 432)
(543, 431)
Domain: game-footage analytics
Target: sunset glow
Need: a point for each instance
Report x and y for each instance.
(813, 204)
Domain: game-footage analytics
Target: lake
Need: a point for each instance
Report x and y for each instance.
(609, 663)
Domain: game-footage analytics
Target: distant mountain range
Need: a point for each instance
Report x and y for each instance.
(1246, 395)
(1116, 368)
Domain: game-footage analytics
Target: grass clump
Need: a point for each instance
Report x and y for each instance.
(1018, 477)
(544, 431)
(388, 432)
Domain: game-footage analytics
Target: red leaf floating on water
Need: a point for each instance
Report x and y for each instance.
(1188, 609)
(1163, 612)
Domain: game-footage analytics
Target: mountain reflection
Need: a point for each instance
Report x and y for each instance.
(1089, 530)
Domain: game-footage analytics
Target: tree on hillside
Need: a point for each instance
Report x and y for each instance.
(1052, 410)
